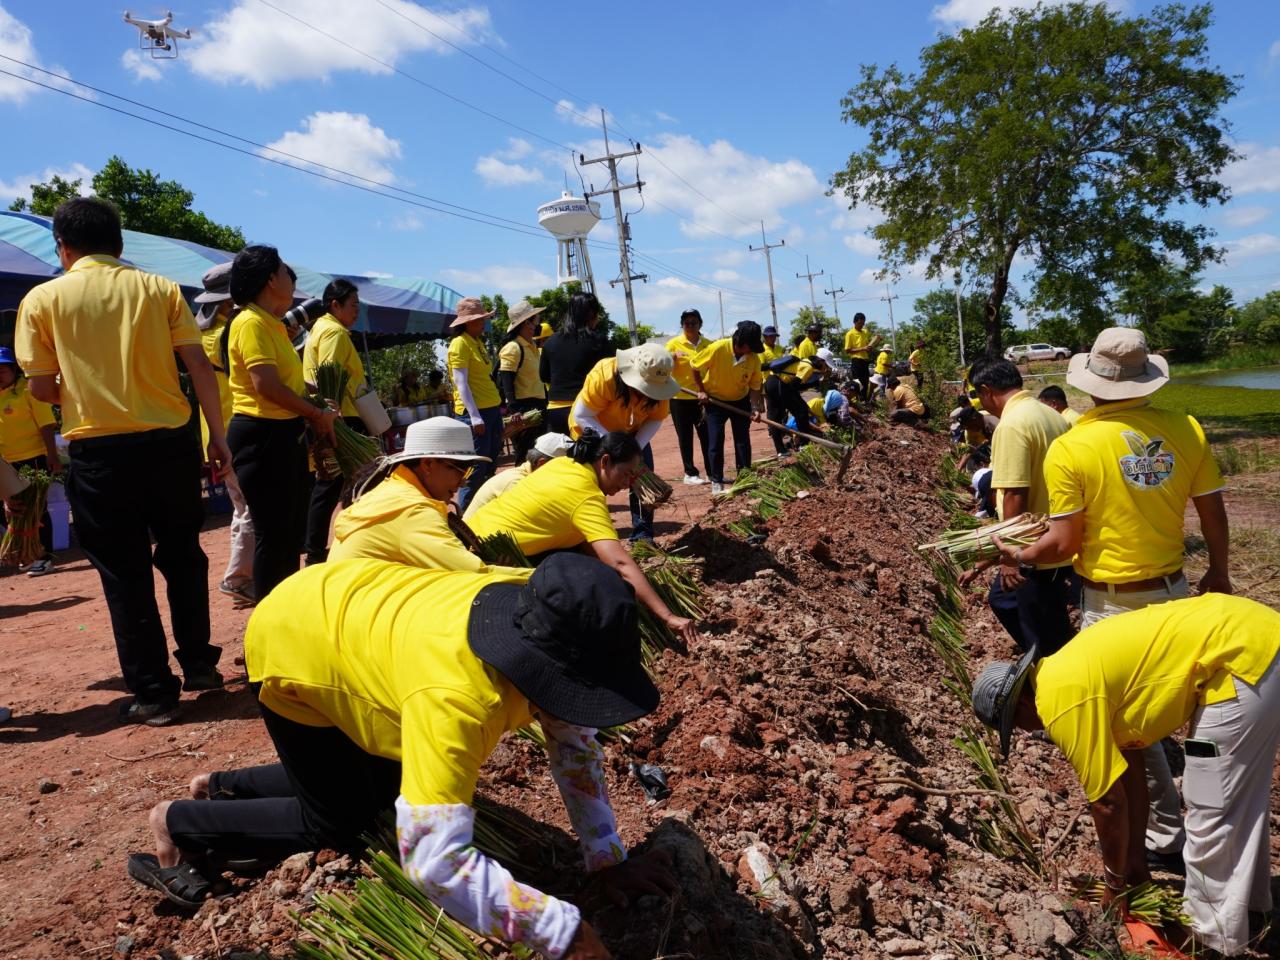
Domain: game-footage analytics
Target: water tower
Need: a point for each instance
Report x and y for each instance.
(569, 220)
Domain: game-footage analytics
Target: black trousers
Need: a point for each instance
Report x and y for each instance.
(523, 441)
(860, 370)
(40, 462)
(740, 424)
(687, 419)
(557, 419)
(125, 490)
(325, 792)
(782, 398)
(909, 417)
(325, 495)
(271, 464)
(1036, 612)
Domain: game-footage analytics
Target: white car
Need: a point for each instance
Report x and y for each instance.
(1026, 352)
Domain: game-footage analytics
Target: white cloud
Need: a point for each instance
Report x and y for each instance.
(375, 274)
(730, 258)
(1245, 216)
(588, 116)
(140, 66)
(513, 281)
(665, 117)
(1274, 53)
(965, 13)
(726, 276)
(406, 223)
(20, 186)
(498, 169)
(1257, 171)
(1254, 245)
(18, 42)
(251, 43)
(862, 244)
(344, 141)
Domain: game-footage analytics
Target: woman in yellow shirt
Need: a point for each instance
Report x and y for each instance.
(476, 398)
(687, 415)
(729, 371)
(562, 506)
(631, 393)
(27, 428)
(409, 392)
(519, 376)
(269, 414)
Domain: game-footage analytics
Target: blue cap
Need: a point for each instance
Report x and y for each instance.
(770, 331)
(6, 356)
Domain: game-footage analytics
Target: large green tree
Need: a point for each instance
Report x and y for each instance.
(45, 197)
(1061, 134)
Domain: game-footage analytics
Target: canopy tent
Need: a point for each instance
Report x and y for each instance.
(392, 309)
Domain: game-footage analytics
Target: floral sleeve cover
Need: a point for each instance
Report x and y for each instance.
(577, 764)
(439, 857)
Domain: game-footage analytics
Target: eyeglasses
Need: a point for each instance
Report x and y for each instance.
(463, 469)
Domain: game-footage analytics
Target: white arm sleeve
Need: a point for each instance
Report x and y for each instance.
(585, 418)
(464, 394)
(646, 432)
(577, 765)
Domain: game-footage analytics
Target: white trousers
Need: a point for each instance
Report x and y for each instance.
(1228, 849)
(240, 563)
(1164, 819)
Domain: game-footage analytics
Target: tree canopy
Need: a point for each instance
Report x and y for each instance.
(1066, 135)
(146, 203)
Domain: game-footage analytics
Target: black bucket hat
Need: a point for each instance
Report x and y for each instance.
(568, 640)
(749, 335)
(996, 692)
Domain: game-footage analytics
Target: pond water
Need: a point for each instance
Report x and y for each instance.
(1257, 378)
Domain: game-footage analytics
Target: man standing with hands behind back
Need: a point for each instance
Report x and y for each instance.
(100, 341)
(858, 344)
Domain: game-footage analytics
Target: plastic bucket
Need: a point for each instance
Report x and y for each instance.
(60, 516)
(373, 414)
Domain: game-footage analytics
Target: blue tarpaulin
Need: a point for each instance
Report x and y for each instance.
(392, 309)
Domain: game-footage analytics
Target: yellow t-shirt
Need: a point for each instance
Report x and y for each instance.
(211, 342)
(528, 381)
(412, 396)
(111, 331)
(495, 487)
(1018, 447)
(330, 342)
(915, 359)
(398, 521)
(467, 353)
(857, 343)
(817, 409)
(557, 507)
(379, 650)
(1131, 679)
(1130, 468)
(259, 339)
(806, 349)
(1071, 416)
(600, 395)
(882, 364)
(904, 398)
(683, 352)
(725, 376)
(21, 417)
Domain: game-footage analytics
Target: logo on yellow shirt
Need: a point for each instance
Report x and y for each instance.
(1148, 466)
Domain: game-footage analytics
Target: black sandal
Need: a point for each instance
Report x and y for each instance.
(184, 884)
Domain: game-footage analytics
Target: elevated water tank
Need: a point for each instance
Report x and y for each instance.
(569, 219)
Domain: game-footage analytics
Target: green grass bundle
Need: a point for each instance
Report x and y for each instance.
(651, 489)
(520, 422)
(21, 542)
(673, 579)
(965, 548)
(352, 450)
(1149, 902)
(332, 380)
(502, 550)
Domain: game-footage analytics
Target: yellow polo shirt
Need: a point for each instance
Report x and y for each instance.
(557, 507)
(379, 650)
(1130, 468)
(1131, 679)
(599, 394)
(330, 342)
(771, 354)
(211, 342)
(915, 359)
(1071, 416)
(258, 339)
(528, 380)
(111, 331)
(725, 376)
(806, 349)
(801, 370)
(1018, 448)
(21, 417)
(683, 353)
(883, 366)
(398, 521)
(817, 409)
(857, 342)
(467, 353)
(495, 487)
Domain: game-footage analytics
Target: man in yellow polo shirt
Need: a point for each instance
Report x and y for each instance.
(729, 371)
(519, 381)
(27, 429)
(1130, 680)
(99, 341)
(1118, 488)
(807, 347)
(687, 415)
(1054, 396)
(772, 349)
(476, 398)
(858, 344)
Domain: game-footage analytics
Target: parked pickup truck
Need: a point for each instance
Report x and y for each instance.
(1026, 352)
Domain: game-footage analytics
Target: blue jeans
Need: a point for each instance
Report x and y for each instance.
(489, 445)
(642, 517)
(1036, 612)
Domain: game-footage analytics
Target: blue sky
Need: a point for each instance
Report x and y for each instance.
(736, 105)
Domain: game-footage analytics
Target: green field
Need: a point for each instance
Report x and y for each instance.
(1227, 413)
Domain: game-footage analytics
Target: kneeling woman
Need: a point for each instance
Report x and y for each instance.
(384, 685)
(562, 507)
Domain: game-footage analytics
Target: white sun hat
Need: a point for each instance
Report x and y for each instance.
(440, 438)
(647, 368)
(553, 444)
(1119, 367)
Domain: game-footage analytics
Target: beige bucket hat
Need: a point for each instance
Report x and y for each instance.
(647, 368)
(440, 438)
(1119, 367)
(522, 311)
(470, 308)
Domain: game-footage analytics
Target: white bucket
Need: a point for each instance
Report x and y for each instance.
(60, 516)
(373, 414)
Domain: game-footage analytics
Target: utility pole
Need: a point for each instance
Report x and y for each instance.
(835, 307)
(720, 296)
(893, 331)
(809, 275)
(959, 318)
(624, 228)
(766, 246)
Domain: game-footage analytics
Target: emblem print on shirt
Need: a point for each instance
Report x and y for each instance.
(1147, 466)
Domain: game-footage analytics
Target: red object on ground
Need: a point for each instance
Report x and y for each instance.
(1148, 940)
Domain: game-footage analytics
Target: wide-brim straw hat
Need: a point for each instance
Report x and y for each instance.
(647, 368)
(217, 284)
(996, 692)
(437, 438)
(568, 640)
(470, 308)
(1119, 367)
(522, 311)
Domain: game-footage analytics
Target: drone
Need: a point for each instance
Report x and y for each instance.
(158, 37)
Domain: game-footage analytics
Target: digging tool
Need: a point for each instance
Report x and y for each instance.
(846, 451)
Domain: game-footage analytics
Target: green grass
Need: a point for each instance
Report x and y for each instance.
(1227, 413)
(1239, 358)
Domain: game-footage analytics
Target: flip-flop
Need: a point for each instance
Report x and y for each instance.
(1149, 942)
(184, 884)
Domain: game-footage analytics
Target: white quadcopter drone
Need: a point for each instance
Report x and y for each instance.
(159, 37)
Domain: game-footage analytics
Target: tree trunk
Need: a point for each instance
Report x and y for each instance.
(995, 300)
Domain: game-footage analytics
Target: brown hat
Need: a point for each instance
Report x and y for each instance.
(1118, 367)
(470, 308)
